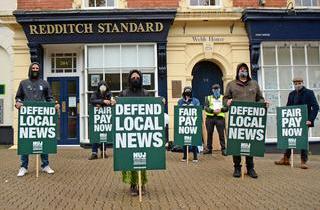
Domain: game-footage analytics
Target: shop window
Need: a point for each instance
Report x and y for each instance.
(204, 3)
(63, 62)
(113, 62)
(279, 63)
(307, 3)
(100, 3)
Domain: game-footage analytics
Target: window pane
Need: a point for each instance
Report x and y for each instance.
(285, 77)
(110, 3)
(270, 78)
(314, 77)
(125, 83)
(284, 97)
(64, 62)
(316, 130)
(113, 80)
(272, 96)
(284, 55)
(129, 56)
(298, 56)
(269, 56)
(299, 71)
(112, 55)
(194, 2)
(93, 80)
(271, 126)
(91, 3)
(100, 3)
(146, 55)
(95, 59)
(313, 56)
(148, 81)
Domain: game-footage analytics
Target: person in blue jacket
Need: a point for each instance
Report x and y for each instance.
(301, 96)
(188, 100)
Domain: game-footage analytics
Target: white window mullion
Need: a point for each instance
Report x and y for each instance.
(291, 61)
(262, 68)
(278, 80)
(307, 66)
(120, 67)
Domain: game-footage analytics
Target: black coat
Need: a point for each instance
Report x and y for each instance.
(132, 91)
(305, 97)
(97, 97)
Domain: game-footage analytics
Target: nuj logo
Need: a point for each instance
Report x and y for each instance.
(139, 155)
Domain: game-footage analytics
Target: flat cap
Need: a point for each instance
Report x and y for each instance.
(297, 79)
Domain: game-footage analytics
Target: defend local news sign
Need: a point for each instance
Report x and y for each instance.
(188, 125)
(292, 131)
(247, 129)
(139, 134)
(100, 124)
(37, 129)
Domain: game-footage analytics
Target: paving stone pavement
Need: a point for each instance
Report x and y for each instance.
(82, 184)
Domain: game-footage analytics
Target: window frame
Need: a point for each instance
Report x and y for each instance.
(306, 6)
(85, 5)
(291, 66)
(217, 6)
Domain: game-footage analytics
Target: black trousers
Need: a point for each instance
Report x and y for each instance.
(237, 162)
(219, 122)
(304, 154)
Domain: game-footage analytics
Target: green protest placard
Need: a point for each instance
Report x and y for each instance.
(100, 124)
(188, 125)
(139, 134)
(247, 129)
(37, 129)
(292, 131)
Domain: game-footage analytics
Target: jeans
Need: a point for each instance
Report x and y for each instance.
(95, 147)
(219, 122)
(25, 160)
(194, 150)
(304, 154)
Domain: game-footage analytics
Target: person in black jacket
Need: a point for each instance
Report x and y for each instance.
(134, 89)
(300, 96)
(34, 89)
(101, 97)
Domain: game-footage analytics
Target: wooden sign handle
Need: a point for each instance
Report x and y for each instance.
(140, 190)
(291, 158)
(37, 166)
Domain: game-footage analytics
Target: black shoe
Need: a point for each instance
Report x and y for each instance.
(237, 172)
(93, 157)
(251, 172)
(143, 190)
(224, 152)
(207, 152)
(133, 190)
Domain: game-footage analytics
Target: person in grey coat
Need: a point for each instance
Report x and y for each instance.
(34, 89)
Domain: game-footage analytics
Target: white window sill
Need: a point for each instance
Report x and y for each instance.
(205, 7)
(97, 8)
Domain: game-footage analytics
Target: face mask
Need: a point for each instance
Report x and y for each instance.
(243, 74)
(136, 83)
(35, 74)
(103, 88)
(187, 94)
(298, 87)
(216, 92)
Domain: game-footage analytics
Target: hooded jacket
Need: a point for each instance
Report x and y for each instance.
(34, 89)
(305, 97)
(132, 91)
(98, 97)
(243, 91)
(190, 102)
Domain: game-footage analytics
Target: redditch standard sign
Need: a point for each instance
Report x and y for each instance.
(246, 130)
(37, 128)
(139, 134)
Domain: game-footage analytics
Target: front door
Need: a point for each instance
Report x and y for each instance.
(65, 90)
(205, 74)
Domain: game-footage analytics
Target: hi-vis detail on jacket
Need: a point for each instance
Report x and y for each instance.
(214, 104)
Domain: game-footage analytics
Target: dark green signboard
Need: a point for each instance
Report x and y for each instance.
(2, 89)
(100, 124)
(292, 131)
(37, 129)
(139, 134)
(247, 129)
(188, 125)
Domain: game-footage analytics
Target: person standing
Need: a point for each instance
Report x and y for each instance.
(188, 100)
(134, 89)
(243, 88)
(100, 98)
(301, 96)
(34, 89)
(215, 116)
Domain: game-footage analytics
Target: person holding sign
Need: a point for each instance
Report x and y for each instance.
(100, 98)
(34, 89)
(215, 110)
(188, 100)
(135, 89)
(243, 88)
(301, 96)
